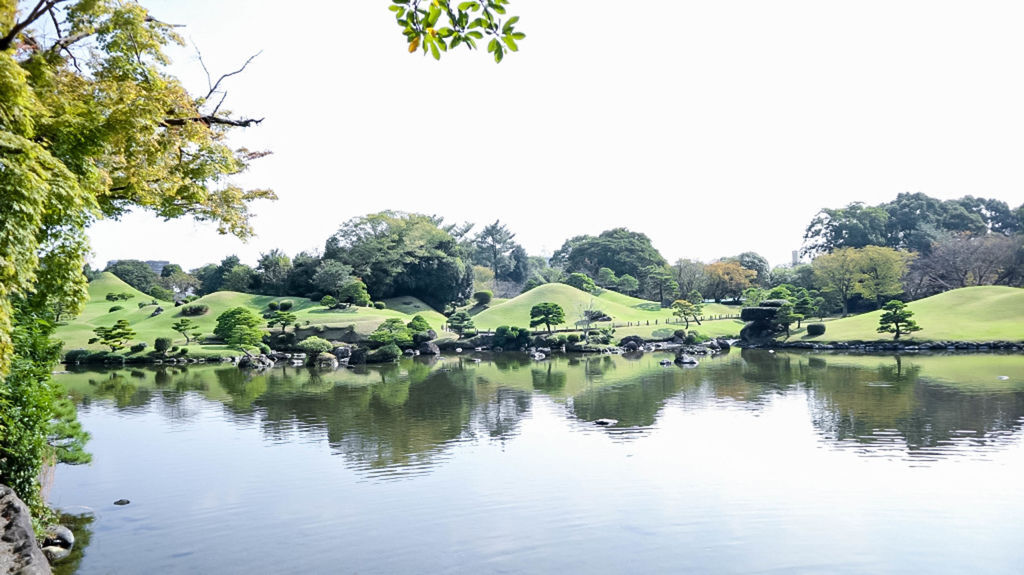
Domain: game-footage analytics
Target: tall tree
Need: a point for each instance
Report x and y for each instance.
(494, 248)
(727, 279)
(896, 319)
(838, 272)
(882, 270)
(135, 273)
(621, 250)
(92, 125)
(690, 275)
(272, 271)
(855, 226)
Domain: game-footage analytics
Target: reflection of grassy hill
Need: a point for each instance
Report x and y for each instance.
(147, 327)
(982, 313)
(621, 308)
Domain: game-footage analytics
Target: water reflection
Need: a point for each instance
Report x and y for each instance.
(400, 418)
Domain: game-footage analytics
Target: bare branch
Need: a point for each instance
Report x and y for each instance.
(209, 81)
(210, 120)
(229, 74)
(40, 9)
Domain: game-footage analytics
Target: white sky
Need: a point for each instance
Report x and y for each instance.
(714, 127)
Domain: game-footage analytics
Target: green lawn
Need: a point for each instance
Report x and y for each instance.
(622, 309)
(96, 313)
(981, 313)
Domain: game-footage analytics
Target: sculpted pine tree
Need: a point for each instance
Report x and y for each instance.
(896, 319)
(548, 314)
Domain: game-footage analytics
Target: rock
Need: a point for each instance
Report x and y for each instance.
(257, 362)
(122, 502)
(458, 350)
(19, 552)
(606, 421)
(683, 359)
(326, 360)
(58, 542)
(665, 363)
(342, 351)
(409, 352)
(631, 346)
(634, 339)
(429, 348)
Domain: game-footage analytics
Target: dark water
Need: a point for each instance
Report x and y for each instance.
(750, 463)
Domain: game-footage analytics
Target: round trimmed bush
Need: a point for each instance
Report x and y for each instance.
(115, 308)
(379, 305)
(285, 304)
(573, 338)
(273, 306)
(137, 347)
(483, 297)
(162, 344)
(195, 309)
(815, 329)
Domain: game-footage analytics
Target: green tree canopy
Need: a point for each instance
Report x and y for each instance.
(494, 247)
(620, 250)
(135, 273)
(548, 314)
(896, 319)
(234, 317)
(434, 26)
(399, 254)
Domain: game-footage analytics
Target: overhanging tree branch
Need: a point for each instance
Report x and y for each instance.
(210, 120)
(41, 8)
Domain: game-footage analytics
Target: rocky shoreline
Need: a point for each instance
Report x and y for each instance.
(909, 346)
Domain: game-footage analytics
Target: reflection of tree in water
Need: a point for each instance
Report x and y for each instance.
(122, 390)
(891, 407)
(81, 526)
(404, 420)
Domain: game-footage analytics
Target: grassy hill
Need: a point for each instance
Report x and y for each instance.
(622, 309)
(97, 313)
(981, 313)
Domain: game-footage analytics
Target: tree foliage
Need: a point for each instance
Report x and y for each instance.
(392, 331)
(315, 345)
(547, 314)
(461, 322)
(116, 336)
(435, 26)
(135, 273)
(896, 319)
(494, 247)
(582, 282)
(399, 254)
(727, 279)
(620, 250)
(238, 317)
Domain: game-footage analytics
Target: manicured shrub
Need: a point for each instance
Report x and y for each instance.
(329, 302)
(137, 347)
(142, 304)
(418, 324)
(173, 349)
(119, 296)
(511, 337)
(573, 338)
(815, 329)
(775, 303)
(182, 351)
(761, 313)
(285, 304)
(195, 309)
(483, 297)
(314, 346)
(76, 356)
(115, 308)
(379, 305)
(273, 306)
(385, 354)
(581, 281)
(162, 344)
(264, 348)
(694, 337)
(680, 333)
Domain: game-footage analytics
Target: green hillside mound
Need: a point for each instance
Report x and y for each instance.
(623, 310)
(148, 327)
(983, 313)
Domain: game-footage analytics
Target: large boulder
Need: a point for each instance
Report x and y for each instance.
(58, 542)
(632, 342)
(326, 361)
(19, 552)
(429, 348)
(257, 362)
(342, 352)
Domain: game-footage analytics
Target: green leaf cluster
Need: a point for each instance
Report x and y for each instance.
(435, 26)
(547, 314)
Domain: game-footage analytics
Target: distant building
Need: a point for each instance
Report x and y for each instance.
(796, 258)
(156, 265)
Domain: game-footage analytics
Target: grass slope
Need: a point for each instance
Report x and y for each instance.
(147, 327)
(981, 313)
(621, 308)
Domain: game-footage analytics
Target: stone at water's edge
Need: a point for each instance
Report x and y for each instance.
(19, 552)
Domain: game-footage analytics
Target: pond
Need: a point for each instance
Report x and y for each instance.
(482, 463)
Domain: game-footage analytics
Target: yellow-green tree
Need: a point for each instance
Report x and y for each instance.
(91, 126)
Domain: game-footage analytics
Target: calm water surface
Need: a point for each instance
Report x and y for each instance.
(750, 463)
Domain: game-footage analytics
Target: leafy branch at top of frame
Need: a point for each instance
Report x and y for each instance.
(435, 26)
